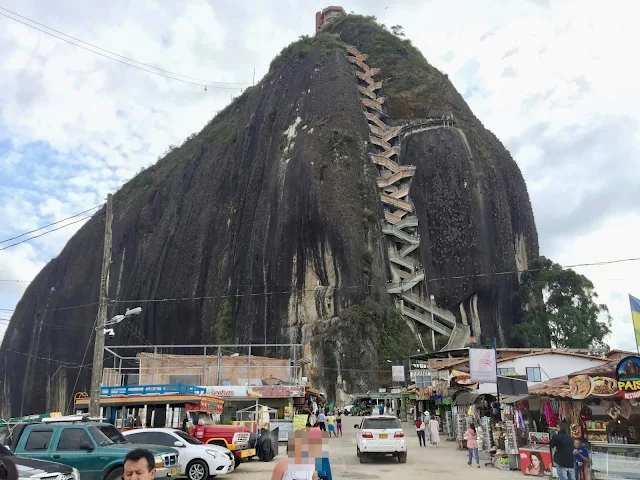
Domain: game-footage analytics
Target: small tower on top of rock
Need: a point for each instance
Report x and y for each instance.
(327, 15)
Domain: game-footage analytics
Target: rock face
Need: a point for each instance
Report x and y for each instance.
(267, 226)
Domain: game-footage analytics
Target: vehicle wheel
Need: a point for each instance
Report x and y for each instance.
(402, 457)
(364, 458)
(117, 474)
(197, 470)
(237, 462)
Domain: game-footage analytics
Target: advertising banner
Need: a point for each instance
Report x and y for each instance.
(628, 378)
(275, 391)
(482, 363)
(397, 373)
(226, 391)
(593, 385)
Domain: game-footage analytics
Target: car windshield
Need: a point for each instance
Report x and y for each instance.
(107, 435)
(187, 438)
(381, 423)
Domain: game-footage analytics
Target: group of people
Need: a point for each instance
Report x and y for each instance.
(331, 422)
(428, 429)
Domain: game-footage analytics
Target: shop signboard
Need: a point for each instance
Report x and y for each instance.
(223, 391)
(628, 378)
(275, 391)
(397, 373)
(482, 363)
(536, 461)
(593, 385)
(204, 406)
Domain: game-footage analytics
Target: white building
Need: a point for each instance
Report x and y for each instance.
(542, 366)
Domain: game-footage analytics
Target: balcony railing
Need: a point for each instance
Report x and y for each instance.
(176, 389)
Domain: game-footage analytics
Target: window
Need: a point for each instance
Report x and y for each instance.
(71, 438)
(423, 381)
(38, 440)
(107, 435)
(187, 438)
(152, 438)
(504, 371)
(533, 374)
(381, 423)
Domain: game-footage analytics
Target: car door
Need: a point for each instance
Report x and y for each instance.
(36, 443)
(73, 446)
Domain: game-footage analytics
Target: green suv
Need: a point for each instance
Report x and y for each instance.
(96, 450)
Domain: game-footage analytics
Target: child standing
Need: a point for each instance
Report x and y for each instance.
(581, 459)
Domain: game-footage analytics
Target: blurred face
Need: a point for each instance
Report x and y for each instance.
(535, 462)
(576, 443)
(138, 470)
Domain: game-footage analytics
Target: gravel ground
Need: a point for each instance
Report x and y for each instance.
(446, 462)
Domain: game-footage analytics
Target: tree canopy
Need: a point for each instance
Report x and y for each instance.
(560, 309)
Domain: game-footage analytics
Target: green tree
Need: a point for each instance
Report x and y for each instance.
(397, 30)
(560, 309)
(223, 327)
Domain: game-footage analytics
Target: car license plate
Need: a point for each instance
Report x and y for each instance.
(383, 435)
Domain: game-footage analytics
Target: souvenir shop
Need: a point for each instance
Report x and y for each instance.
(605, 418)
(480, 409)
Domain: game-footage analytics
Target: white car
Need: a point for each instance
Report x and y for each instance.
(199, 460)
(380, 435)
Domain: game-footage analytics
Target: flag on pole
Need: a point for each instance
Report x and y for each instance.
(635, 317)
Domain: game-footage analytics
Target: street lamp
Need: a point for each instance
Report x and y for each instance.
(118, 318)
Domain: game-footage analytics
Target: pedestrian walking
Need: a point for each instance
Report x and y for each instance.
(331, 424)
(563, 456)
(339, 423)
(420, 429)
(322, 421)
(471, 436)
(434, 429)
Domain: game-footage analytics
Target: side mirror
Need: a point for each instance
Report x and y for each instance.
(178, 443)
(356, 426)
(86, 446)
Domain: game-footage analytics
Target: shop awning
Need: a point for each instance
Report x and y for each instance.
(466, 398)
(514, 398)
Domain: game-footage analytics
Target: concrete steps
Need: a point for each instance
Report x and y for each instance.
(401, 235)
(459, 337)
(426, 320)
(395, 202)
(406, 262)
(441, 313)
(406, 284)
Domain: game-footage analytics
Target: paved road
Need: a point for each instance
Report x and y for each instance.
(446, 462)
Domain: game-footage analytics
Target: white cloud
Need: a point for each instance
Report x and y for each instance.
(557, 84)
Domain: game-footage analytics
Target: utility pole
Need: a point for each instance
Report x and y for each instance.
(253, 82)
(98, 350)
(433, 332)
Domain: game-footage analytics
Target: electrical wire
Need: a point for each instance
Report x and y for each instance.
(48, 231)
(200, 84)
(118, 55)
(335, 287)
(66, 364)
(49, 225)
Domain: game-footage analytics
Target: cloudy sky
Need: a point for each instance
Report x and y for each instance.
(557, 81)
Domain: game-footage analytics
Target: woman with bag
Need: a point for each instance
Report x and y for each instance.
(471, 436)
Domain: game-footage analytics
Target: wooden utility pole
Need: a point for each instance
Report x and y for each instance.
(98, 350)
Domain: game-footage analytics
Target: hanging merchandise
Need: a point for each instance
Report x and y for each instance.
(586, 413)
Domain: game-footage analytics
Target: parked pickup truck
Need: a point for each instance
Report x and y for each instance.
(233, 437)
(28, 468)
(95, 449)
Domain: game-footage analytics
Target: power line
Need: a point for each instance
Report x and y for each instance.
(48, 231)
(49, 225)
(66, 364)
(200, 84)
(335, 287)
(118, 55)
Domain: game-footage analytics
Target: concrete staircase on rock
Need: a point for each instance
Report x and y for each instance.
(400, 224)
